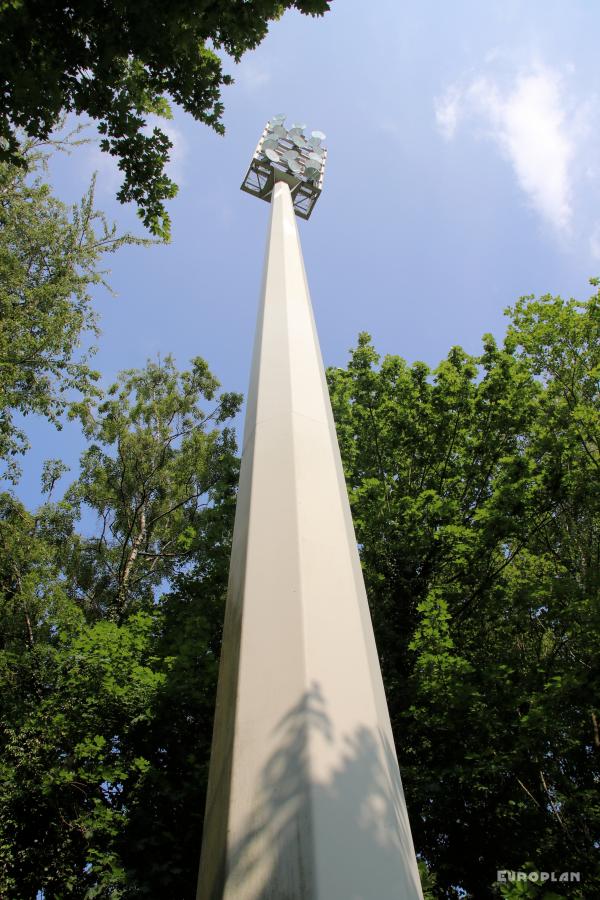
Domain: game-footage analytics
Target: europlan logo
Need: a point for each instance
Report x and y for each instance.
(504, 875)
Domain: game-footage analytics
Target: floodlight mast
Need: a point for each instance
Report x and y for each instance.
(305, 800)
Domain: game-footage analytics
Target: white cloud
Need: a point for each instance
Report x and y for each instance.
(251, 76)
(110, 177)
(531, 124)
(104, 165)
(179, 151)
(447, 112)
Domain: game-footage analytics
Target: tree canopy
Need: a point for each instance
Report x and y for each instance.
(119, 62)
(109, 647)
(50, 258)
(476, 500)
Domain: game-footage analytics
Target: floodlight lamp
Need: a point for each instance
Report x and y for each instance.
(287, 155)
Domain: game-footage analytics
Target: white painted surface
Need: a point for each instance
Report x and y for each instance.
(305, 800)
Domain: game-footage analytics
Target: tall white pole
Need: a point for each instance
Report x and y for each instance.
(305, 800)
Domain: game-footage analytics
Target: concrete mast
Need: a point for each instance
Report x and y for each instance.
(305, 800)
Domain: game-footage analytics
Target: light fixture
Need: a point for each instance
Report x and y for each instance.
(288, 155)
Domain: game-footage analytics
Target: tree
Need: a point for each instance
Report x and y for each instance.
(49, 259)
(151, 476)
(108, 678)
(117, 65)
(476, 503)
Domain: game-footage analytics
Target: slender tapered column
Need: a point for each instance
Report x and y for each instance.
(305, 800)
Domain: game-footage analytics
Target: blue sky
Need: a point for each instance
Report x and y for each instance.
(463, 171)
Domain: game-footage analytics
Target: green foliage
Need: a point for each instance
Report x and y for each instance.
(428, 881)
(152, 476)
(527, 890)
(49, 259)
(119, 63)
(108, 678)
(476, 501)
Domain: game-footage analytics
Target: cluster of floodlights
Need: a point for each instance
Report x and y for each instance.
(290, 148)
(286, 154)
